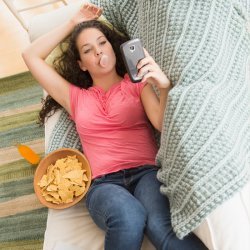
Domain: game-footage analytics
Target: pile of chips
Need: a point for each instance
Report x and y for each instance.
(64, 180)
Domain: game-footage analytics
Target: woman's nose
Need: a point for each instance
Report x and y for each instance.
(98, 52)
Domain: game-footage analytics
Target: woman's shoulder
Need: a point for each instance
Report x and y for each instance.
(76, 88)
(76, 91)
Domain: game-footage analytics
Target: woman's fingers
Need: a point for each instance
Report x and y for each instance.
(92, 9)
(99, 12)
(150, 72)
(95, 9)
(146, 52)
(145, 61)
(145, 69)
(149, 75)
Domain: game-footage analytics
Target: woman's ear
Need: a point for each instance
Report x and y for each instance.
(81, 65)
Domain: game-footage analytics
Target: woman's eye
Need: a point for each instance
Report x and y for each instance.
(103, 42)
(86, 51)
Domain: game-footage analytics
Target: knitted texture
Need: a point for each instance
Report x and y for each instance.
(203, 47)
(64, 134)
(204, 153)
(122, 14)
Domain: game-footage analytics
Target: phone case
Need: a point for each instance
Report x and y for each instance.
(132, 53)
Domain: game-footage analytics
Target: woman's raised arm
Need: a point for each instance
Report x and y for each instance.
(35, 55)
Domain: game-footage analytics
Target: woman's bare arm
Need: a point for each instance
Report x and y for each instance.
(153, 75)
(154, 106)
(35, 55)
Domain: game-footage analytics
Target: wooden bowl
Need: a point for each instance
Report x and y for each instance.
(51, 158)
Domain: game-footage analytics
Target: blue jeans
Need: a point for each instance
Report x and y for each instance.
(127, 204)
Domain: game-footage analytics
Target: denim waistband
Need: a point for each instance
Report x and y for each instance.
(128, 171)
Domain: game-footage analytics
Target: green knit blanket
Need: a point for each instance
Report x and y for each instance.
(203, 47)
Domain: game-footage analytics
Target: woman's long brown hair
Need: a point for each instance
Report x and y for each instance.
(67, 66)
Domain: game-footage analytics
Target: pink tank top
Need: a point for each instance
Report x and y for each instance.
(113, 127)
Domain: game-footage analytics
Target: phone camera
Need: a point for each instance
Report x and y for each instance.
(132, 48)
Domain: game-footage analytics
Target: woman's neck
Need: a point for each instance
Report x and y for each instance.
(106, 81)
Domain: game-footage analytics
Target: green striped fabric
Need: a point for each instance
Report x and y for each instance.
(22, 217)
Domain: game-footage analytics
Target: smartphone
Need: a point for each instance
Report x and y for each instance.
(132, 53)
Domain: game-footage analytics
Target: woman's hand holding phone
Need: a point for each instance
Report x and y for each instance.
(151, 72)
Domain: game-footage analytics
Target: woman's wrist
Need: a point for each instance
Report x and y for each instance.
(71, 23)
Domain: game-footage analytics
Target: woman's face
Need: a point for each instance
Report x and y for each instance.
(92, 45)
